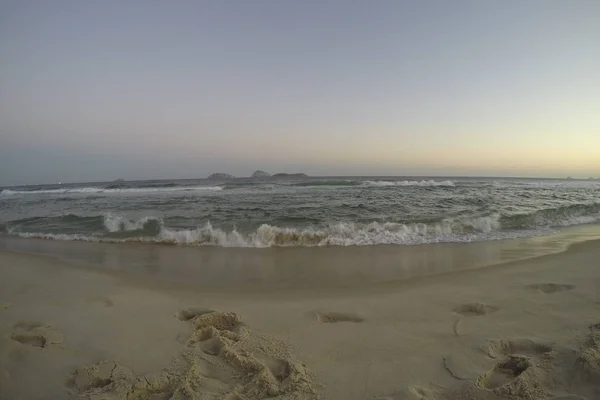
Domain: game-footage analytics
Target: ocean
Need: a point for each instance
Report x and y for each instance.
(307, 212)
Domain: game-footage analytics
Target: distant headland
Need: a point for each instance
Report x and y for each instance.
(220, 176)
(259, 174)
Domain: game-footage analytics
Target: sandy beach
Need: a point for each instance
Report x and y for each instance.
(528, 329)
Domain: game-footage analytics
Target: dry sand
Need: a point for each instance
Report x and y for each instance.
(525, 330)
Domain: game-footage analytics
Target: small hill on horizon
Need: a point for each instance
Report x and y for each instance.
(258, 174)
(219, 176)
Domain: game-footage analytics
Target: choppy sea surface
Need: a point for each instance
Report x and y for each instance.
(339, 211)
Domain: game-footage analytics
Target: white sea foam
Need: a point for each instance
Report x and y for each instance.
(408, 183)
(577, 220)
(117, 223)
(339, 234)
(92, 190)
(59, 236)
(547, 184)
(152, 229)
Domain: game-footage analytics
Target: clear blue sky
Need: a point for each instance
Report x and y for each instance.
(95, 90)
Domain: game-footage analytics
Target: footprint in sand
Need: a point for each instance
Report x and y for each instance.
(516, 358)
(212, 328)
(280, 369)
(521, 346)
(504, 372)
(36, 335)
(472, 310)
(226, 360)
(549, 288)
(97, 376)
(475, 309)
(334, 317)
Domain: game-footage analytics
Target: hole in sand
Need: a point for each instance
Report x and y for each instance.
(100, 383)
(205, 334)
(213, 346)
(551, 287)
(280, 369)
(475, 309)
(333, 317)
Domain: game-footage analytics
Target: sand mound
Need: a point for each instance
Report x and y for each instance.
(224, 360)
(588, 358)
(191, 313)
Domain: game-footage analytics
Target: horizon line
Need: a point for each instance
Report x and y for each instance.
(319, 177)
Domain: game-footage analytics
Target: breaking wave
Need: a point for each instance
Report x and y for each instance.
(408, 183)
(339, 234)
(113, 189)
(548, 184)
(117, 228)
(343, 182)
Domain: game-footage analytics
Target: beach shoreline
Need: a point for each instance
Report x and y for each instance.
(297, 268)
(440, 336)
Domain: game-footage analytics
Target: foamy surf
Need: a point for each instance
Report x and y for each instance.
(340, 234)
(309, 212)
(96, 190)
(153, 230)
(427, 183)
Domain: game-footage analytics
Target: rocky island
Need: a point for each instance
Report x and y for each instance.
(260, 175)
(219, 176)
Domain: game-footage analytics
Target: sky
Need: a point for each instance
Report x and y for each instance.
(100, 90)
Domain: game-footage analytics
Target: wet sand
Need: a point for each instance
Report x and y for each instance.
(297, 268)
(525, 329)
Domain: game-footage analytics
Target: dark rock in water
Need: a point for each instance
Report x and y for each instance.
(260, 174)
(289, 176)
(220, 176)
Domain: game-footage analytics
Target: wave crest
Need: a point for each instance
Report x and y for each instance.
(428, 183)
(113, 190)
(115, 228)
(152, 230)
(149, 225)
